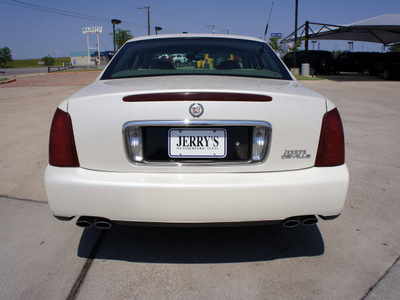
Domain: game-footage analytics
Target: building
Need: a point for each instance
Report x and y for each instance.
(82, 59)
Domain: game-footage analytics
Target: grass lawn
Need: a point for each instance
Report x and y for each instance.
(32, 63)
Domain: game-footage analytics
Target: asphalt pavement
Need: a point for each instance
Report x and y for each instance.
(11, 73)
(353, 257)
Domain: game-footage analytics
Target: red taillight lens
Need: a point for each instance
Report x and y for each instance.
(62, 150)
(331, 142)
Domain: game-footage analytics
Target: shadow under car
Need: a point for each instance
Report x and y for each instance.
(200, 245)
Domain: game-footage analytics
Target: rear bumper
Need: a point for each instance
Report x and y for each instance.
(196, 198)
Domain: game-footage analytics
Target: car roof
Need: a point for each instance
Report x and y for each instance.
(195, 35)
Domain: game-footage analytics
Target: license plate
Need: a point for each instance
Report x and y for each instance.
(197, 143)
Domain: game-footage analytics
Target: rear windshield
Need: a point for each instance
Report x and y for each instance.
(196, 56)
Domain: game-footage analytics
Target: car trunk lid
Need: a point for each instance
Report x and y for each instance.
(101, 111)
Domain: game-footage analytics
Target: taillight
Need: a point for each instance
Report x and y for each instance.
(260, 143)
(331, 142)
(62, 150)
(134, 142)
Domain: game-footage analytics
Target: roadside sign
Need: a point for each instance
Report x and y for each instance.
(93, 29)
(276, 35)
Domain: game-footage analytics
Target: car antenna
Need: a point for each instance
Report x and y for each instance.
(266, 27)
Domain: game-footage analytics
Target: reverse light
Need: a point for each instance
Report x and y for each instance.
(62, 149)
(133, 136)
(331, 142)
(260, 138)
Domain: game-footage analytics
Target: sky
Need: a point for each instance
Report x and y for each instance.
(32, 29)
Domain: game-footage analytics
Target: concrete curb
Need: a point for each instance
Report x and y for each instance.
(8, 81)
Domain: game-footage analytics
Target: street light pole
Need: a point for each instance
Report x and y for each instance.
(157, 28)
(350, 45)
(213, 28)
(295, 21)
(148, 20)
(313, 43)
(114, 22)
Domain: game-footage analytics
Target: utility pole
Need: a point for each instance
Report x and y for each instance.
(295, 21)
(295, 32)
(213, 28)
(225, 30)
(307, 29)
(148, 17)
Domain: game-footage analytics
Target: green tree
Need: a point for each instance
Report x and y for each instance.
(296, 46)
(5, 56)
(336, 53)
(48, 61)
(121, 36)
(275, 44)
(395, 47)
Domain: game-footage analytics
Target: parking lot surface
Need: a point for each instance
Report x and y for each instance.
(353, 257)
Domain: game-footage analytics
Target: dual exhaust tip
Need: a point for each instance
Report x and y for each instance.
(87, 222)
(101, 223)
(296, 221)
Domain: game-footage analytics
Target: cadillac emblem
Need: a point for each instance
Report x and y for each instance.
(196, 110)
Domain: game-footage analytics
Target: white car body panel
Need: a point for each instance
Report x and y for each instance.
(107, 184)
(197, 198)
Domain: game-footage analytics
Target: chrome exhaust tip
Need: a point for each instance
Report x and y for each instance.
(291, 222)
(84, 222)
(309, 220)
(102, 224)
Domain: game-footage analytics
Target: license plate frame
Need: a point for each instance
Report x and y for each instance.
(197, 143)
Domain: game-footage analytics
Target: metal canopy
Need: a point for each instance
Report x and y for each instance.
(383, 29)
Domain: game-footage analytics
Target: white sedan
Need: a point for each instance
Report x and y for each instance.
(232, 139)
